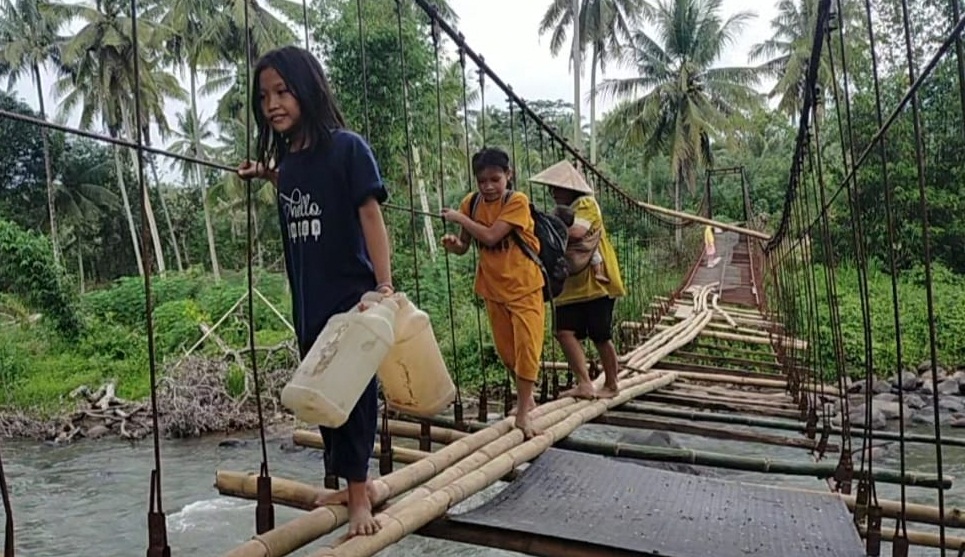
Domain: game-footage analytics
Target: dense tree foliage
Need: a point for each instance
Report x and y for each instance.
(77, 221)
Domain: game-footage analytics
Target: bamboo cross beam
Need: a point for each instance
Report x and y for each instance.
(703, 220)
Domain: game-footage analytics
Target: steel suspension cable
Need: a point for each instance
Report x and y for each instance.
(926, 248)
(156, 521)
(483, 414)
(457, 406)
(264, 508)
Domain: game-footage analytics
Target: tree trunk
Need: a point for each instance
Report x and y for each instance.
(205, 206)
(577, 64)
(119, 169)
(48, 171)
(80, 264)
(593, 64)
(259, 251)
(149, 211)
(649, 184)
(164, 210)
(678, 231)
(424, 203)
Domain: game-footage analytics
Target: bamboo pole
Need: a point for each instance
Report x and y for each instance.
(714, 325)
(417, 510)
(784, 425)
(755, 382)
(314, 440)
(412, 430)
(289, 493)
(627, 419)
(890, 508)
(821, 470)
(738, 397)
(926, 539)
(720, 311)
(298, 532)
(703, 220)
(747, 338)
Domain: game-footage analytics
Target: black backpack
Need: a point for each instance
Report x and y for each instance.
(553, 236)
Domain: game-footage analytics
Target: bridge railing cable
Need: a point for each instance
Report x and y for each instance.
(858, 267)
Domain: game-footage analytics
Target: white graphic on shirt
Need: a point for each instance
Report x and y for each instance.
(303, 215)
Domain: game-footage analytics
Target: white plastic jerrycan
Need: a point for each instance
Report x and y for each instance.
(413, 374)
(340, 364)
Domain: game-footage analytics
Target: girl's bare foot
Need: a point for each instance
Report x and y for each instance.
(529, 406)
(602, 278)
(378, 494)
(608, 391)
(524, 423)
(326, 498)
(586, 392)
(360, 503)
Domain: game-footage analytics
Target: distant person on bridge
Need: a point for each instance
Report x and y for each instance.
(585, 307)
(334, 238)
(511, 283)
(710, 250)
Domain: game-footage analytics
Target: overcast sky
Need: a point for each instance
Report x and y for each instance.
(505, 33)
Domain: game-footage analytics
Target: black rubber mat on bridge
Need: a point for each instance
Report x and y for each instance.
(610, 504)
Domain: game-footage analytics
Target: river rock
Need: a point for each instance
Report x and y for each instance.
(926, 416)
(233, 443)
(949, 386)
(907, 381)
(951, 404)
(857, 416)
(957, 420)
(879, 386)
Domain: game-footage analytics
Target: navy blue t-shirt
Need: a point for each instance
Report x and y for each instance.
(319, 194)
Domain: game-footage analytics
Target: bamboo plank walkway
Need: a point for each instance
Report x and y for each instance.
(571, 503)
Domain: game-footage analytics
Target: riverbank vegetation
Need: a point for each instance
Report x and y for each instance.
(72, 305)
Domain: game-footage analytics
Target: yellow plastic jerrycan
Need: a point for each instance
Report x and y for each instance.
(413, 374)
(340, 364)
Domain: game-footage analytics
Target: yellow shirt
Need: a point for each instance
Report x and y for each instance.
(505, 273)
(583, 286)
(708, 236)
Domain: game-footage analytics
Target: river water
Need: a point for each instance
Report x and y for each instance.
(91, 499)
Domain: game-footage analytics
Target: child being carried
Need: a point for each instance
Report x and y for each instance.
(567, 215)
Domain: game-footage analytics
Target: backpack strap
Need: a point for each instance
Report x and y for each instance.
(474, 202)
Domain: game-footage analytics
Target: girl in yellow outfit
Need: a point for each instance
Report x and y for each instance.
(507, 279)
(584, 309)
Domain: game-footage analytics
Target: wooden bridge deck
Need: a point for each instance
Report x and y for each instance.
(599, 506)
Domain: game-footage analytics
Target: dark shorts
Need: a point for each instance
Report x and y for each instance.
(593, 319)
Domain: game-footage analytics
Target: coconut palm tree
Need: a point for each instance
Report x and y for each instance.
(197, 32)
(787, 53)
(686, 101)
(602, 25)
(99, 78)
(28, 42)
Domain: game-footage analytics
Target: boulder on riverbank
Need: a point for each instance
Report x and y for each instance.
(917, 390)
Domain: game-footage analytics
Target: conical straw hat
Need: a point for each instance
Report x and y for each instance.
(563, 175)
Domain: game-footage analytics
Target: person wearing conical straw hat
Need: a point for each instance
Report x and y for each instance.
(584, 309)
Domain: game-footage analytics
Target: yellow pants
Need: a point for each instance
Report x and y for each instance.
(518, 330)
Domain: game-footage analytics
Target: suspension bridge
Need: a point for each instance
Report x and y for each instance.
(736, 351)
